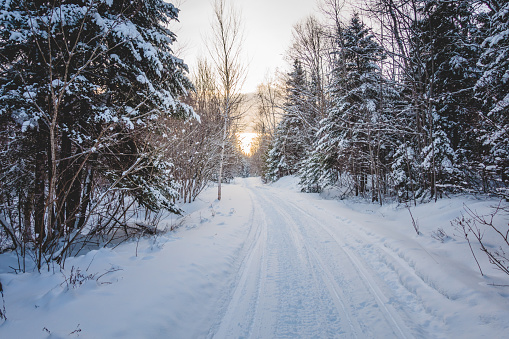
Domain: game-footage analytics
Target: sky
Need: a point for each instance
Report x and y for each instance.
(267, 32)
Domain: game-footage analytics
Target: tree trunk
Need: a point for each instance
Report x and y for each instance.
(65, 176)
(39, 196)
(223, 144)
(74, 196)
(87, 194)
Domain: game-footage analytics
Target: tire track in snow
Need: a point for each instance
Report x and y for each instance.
(294, 316)
(277, 292)
(293, 216)
(242, 296)
(428, 321)
(297, 278)
(390, 315)
(322, 275)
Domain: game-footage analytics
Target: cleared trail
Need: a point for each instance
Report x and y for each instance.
(307, 273)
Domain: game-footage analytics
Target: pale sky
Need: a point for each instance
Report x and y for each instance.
(267, 32)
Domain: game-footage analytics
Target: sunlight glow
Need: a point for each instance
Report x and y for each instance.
(246, 140)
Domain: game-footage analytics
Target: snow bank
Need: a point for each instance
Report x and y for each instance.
(290, 182)
(152, 288)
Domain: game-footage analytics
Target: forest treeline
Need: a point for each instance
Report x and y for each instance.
(411, 108)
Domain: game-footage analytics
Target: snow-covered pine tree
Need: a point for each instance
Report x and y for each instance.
(493, 90)
(142, 83)
(447, 33)
(404, 171)
(349, 140)
(288, 147)
(82, 82)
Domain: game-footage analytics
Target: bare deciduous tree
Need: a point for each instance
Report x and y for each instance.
(225, 48)
(488, 225)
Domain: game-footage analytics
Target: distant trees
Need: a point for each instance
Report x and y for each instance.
(207, 150)
(84, 86)
(195, 147)
(268, 99)
(288, 145)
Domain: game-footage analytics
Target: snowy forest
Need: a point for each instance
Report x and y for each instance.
(106, 134)
(101, 122)
(413, 108)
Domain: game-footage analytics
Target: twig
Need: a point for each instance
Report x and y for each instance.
(414, 223)
(497, 285)
(107, 272)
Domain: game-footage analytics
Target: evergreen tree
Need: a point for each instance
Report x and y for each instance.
(437, 145)
(444, 72)
(493, 89)
(405, 172)
(289, 144)
(81, 84)
(348, 141)
(449, 34)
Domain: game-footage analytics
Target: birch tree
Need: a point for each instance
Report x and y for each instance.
(225, 49)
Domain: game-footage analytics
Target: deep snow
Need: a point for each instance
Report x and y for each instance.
(270, 262)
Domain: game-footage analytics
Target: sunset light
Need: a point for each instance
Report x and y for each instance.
(246, 140)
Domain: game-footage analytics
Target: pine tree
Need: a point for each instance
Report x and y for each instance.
(348, 141)
(493, 90)
(289, 145)
(82, 83)
(448, 34)
(445, 52)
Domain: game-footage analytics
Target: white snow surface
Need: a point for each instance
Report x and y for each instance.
(270, 262)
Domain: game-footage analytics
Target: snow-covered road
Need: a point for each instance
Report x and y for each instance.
(270, 262)
(301, 277)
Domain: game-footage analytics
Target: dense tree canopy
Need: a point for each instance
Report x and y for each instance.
(82, 84)
(415, 110)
